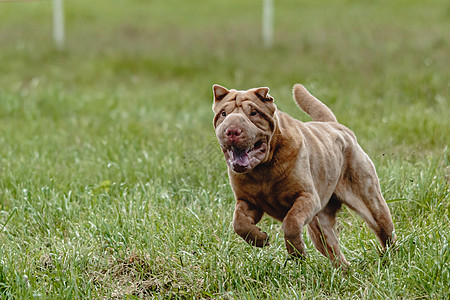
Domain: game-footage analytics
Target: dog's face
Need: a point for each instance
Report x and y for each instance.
(244, 122)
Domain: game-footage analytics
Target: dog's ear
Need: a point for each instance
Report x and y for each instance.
(219, 92)
(263, 94)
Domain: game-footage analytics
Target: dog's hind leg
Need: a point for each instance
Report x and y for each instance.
(322, 233)
(359, 189)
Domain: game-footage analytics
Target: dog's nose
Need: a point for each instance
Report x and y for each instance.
(233, 132)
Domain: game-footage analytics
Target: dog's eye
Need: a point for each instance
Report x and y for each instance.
(253, 113)
(224, 114)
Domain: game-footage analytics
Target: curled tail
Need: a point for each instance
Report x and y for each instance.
(312, 106)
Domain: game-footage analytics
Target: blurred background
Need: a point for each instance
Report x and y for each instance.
(145, 68)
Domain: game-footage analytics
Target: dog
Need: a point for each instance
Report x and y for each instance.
(299, 173)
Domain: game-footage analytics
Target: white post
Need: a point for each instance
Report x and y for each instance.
(267, 23)
(58, 24)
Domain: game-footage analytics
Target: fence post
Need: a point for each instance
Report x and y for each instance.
(267, 23)
(58, 24)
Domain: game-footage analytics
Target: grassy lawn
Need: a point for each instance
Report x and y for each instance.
(112, 184)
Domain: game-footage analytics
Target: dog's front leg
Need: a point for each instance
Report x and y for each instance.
(246, 216)
(301, 213)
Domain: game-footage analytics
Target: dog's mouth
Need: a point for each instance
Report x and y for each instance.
(243, 160)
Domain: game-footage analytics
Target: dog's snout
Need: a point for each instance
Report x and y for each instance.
(233, 132)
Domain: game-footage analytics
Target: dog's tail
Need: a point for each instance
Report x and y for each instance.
(312, 106)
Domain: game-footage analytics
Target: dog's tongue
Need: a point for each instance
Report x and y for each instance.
(240, 158)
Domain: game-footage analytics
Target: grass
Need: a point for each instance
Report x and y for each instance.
(112, 184)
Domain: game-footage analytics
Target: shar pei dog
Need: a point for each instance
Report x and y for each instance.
(298, 173)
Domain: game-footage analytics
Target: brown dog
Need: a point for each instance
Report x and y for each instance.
(298, 173)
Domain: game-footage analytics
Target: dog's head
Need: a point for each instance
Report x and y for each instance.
(245, 122)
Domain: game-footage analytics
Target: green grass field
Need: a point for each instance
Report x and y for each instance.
(112, 184)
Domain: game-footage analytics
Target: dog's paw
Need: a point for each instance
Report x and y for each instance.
(262, 240)
(296, 255)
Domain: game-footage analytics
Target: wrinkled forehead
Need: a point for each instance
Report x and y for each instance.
(242, 96)
(239, 98)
